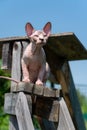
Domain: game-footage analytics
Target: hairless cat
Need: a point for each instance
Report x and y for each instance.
(34, 66)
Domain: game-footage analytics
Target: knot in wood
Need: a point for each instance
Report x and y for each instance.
(15, 46)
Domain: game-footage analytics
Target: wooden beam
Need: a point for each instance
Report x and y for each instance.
(6, 57)
(16, 64)
(13, 39)
(15, 74)
(70, 96)
(13, 124)
(65, 121)
(36, 90)
(65, 45)
(50, 111)
(23, 113)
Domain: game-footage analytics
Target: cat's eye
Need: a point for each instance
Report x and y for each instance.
(36, 35)
(45, 35)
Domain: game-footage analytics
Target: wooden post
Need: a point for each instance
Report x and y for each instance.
(16, 64)
(70, 96)
(6, 57)
(16, 74)
(23, 113)
(65, 121)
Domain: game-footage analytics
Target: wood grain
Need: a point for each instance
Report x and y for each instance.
(23, 113)
(65, 121)
(16, 64)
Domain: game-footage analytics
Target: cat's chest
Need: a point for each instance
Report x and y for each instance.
(34, 60)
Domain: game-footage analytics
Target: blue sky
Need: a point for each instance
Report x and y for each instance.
(65, 15)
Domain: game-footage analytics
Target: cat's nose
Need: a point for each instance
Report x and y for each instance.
(41, 39)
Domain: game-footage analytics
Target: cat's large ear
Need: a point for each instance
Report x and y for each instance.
(29, 29)
(47, 28)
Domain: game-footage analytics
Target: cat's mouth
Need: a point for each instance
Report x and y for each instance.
(41, 43)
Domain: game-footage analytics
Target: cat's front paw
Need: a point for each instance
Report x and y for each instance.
(26, 80)
(38, 82)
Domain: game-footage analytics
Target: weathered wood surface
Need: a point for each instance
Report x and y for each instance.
(13, 39)
(65, 45)
(15, 74)
(13, 124)
(60, 48)
(36, 90)
(70, 96)
(23, 114)
(50, 105)
(56, 111)
(16, 63)
(10, 103)
(65, 121)
(47, 108)
(6, 56)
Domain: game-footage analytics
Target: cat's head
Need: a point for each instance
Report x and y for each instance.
(38, 37)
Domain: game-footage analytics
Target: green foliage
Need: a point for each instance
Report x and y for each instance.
(4, 122)
(4, 88)
(36, 123)
(83, 103)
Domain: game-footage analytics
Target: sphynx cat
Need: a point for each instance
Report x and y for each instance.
(34, 66)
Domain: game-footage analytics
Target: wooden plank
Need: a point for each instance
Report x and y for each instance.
(70, 96)
(23, 113)
(13, 124)
(36, 90)
(9, 108)
(65, 45)
(5, 51)
(6, 57)
(65, 121)
(13, 39)
(50, 111)
(11, 98)
(24, 45)
(48, 92)
(10, 102)
(16, 64)
(24, 87)
(15, 74)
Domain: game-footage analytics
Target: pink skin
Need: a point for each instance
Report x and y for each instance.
(34, 66)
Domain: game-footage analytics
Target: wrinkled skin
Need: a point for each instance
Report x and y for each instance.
(34, 66)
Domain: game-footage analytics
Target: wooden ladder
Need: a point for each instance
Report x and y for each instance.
(48, 105)
(59, 51)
